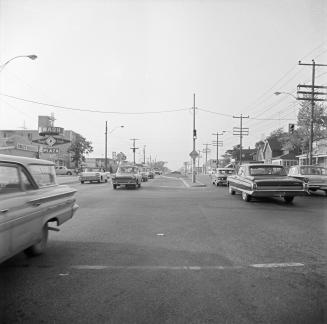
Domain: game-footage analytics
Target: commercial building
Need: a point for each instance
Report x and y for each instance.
(47, 142)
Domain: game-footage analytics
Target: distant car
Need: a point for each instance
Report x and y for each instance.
(315, 175)
(151, 174)
(30, 200)
(62, 170)
(265, 180)
(128, 176)
(220, 176)
(93, 175)
(144, 174)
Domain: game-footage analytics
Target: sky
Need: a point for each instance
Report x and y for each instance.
(139, 64)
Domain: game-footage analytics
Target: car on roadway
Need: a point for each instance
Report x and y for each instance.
(265, 180)
(220, 176)
(30, 201)
(315, 175)
(151, 174)
(62, 170)
(128, 176)
(93, 175)
(144, 173)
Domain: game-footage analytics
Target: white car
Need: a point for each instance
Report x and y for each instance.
(93, 175)
(62, 170)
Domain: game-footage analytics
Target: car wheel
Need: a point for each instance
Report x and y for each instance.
(69, 173)
(325, 192)
(217, 184)
(82, 182)
(139, 185)
(231, 191)
(245, 196)
(288, 199)
(114, 186)
(39, 247)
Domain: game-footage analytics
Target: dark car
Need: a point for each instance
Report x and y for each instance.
(265, 180)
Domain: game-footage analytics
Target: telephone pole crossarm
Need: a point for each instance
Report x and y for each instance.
(241, 131)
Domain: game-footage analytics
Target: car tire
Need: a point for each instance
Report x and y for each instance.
(288, 199)
(82, 182)
(69, 173)
(246, 197)
(231, 191)
(217, 184)
(114, 186)
(39, 247)
(139, 185)
(325, 192)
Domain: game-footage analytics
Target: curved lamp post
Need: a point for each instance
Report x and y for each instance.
(106, 145)
(277, 93)
(31, 57)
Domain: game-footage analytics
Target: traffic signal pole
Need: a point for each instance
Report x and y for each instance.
(194, 138)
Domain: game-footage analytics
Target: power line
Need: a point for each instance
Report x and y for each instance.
(93, 110)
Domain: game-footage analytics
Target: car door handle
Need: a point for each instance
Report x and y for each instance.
(4, 210)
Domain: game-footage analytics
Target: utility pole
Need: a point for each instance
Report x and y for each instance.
(218, 143)
(144, 154)
(312, 99)
(206, 151)
(241, 131)
(194, 154)
(106, 149)
(199, 156)
(134, 148)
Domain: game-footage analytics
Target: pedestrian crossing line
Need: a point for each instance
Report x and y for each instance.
(189, 268)
(277, 265)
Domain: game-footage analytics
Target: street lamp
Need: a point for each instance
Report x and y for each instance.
(106, 143)
(32, 57)
(277, 93)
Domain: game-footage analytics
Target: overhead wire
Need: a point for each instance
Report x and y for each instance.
(92, 110)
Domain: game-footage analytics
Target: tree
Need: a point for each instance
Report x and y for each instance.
(121, 157)
(79, 147)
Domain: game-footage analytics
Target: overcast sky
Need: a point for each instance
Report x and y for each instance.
(134, 56)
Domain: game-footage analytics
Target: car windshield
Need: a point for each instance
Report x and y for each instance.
(267, 170)
(225, 171)
(127, 170)
(313, 170)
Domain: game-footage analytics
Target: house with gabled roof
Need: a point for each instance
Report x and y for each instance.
(273, 153)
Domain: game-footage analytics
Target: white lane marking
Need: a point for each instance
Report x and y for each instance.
(89, 267)
(192, 268)
(160, 234)
(185, 183)
(277, 265)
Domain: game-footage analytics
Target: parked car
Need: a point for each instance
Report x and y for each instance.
(93, 175)
(30, 200)
(128, 176)
(220, 176)
(265, 180)
(62, 170)
(315, 175)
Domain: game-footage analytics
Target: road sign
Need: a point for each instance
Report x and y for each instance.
(194, 154)
(50, 150)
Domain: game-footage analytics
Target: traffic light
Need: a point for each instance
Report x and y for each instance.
(291, 128)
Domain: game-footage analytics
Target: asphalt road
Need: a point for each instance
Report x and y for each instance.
(169, 253)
